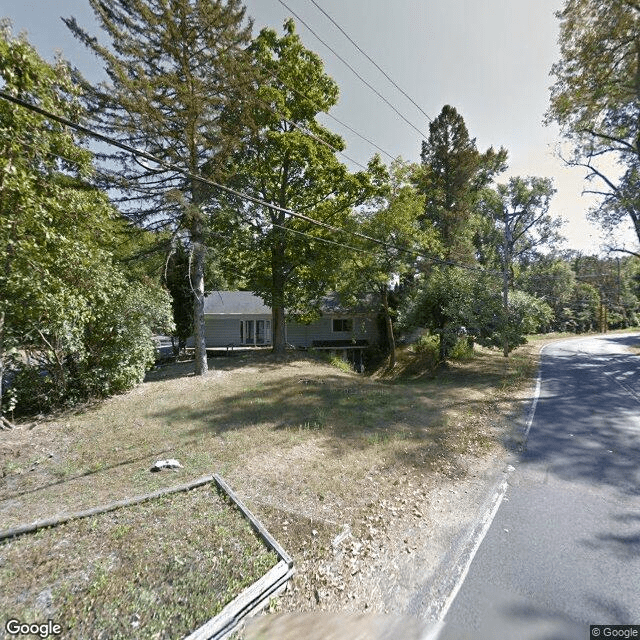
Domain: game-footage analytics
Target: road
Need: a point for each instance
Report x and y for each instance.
(563, 550)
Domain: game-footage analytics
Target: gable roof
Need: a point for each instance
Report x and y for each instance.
(235, 302)
(247, 303)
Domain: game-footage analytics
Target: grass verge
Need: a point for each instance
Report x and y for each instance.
(313, 450)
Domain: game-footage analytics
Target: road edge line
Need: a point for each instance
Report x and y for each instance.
(463, 563)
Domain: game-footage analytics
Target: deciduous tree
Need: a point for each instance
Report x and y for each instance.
(393, 219)
(73, 324)
(520, 212)
(291, 163)
(596, 100)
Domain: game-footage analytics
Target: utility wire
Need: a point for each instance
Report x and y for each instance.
(344, 124)
(335, 53)
(311, 135)
(373, 62)
(229, 190)
(304, 96)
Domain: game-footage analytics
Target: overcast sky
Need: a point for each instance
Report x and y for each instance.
(490, 59)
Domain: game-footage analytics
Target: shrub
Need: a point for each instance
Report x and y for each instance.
(461, 350)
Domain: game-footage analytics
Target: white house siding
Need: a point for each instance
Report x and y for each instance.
(300, 335)
(224, 331)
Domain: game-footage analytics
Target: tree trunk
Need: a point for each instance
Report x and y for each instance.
(505, 284)
(197, 282)
(391, 342)
(278, 325)
(277, 293)
(443, 345)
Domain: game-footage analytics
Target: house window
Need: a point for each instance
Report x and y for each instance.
(342, 324)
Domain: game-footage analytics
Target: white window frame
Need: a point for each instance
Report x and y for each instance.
(249, 332)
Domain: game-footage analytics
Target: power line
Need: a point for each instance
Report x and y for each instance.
(344, 124)
(373, 62)
(304, 96)
(243, 196)
(308, 133)
(335, 53)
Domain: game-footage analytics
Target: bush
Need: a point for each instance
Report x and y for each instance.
(461, 350)
(109, 352)
(428, 350)
(426, 345)
(341, 364)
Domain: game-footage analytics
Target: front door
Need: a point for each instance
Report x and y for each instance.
(255, 332)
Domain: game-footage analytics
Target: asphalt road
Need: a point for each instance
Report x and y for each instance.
(563, 550)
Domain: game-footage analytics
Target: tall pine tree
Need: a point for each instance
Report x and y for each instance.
(178, 78)
(454, 173)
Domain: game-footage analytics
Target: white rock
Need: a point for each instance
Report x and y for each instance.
(166, 464)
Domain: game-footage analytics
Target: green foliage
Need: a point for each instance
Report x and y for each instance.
(341, 364)
(284, 166)
(73, 325)
(180, 85)
(426, 344)
(178, 281)
(454, 173)
(462, 350)
(595, 99)
(454, 303)
(393, 218)
(519, 211)
(549, 278)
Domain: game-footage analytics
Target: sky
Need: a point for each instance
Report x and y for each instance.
(490, 59)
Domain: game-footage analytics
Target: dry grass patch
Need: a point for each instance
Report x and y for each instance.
(312, 449)
(154, 570)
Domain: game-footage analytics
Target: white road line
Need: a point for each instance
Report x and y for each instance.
(534, 403)
(485, 522)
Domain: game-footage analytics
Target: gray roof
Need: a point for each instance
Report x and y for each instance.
(239, 302)
(247, 303)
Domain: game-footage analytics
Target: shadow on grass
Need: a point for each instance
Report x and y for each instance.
(346, 414)
(227, 361)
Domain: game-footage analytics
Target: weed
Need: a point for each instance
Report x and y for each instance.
(378, 438)
(462, 350)
(339, 363)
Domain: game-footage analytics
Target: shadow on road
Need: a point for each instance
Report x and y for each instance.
(587, 424)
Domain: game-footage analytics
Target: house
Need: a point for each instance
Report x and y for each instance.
(240, 318)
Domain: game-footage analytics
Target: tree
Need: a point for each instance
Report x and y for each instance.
(454, 174)
(72, 324)
(596, 100)
(613, 279)
(394, 220)
(177, 277)
(549, 278)
(520, 212)
(456, 302)
(290, 163)
(180, 86)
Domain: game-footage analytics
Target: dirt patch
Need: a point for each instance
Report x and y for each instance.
(365, 482)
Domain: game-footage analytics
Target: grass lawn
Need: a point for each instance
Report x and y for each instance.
(310, 448)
